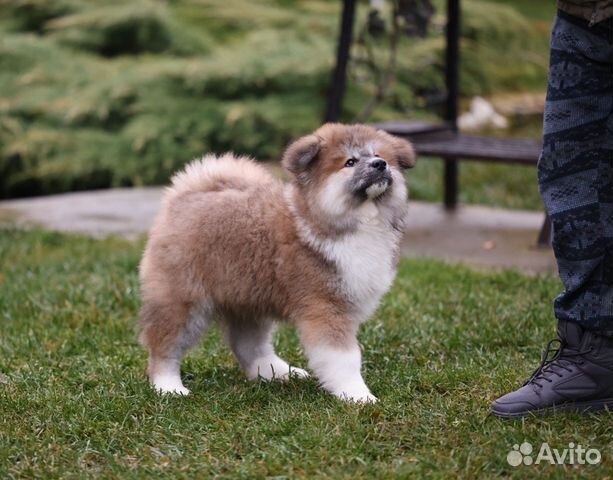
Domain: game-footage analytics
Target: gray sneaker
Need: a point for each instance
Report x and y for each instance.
(575, 374)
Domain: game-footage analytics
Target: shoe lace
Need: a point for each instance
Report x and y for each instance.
(556, 354)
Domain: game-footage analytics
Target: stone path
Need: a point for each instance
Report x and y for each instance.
(478, 236)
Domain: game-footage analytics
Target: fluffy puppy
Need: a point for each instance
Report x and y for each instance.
(234, 244)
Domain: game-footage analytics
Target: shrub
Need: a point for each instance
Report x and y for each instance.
(96, 94)
(32, 15)
(116, 29)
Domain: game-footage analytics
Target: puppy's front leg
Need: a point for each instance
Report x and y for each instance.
(335, 358)
(338, 370)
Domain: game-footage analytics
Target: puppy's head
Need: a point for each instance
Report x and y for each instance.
(342, 167)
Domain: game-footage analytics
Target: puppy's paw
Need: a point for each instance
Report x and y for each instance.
(175, 391)
(355, 394)
(168, 387)
(274, 368)
(365, 398)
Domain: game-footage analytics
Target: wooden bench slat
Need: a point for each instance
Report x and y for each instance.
(403, 129)
(481, 148)
(438, 140)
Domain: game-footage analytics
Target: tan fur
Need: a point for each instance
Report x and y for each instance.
(228, 244)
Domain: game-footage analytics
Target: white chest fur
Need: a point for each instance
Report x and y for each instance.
(364, 259)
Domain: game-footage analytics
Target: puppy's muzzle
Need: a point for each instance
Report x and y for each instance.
(376, 178)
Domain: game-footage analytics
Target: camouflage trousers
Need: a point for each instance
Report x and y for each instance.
(575, 171)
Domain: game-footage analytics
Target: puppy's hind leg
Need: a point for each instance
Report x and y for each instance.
(168, 331)
(251, 342)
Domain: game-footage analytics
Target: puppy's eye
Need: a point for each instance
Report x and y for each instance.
(351, 162)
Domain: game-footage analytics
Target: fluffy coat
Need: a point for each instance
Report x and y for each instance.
(234, 244)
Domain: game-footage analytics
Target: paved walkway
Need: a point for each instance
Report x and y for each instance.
(474, 235)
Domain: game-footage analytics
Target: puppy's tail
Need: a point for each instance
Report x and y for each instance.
(214, 173)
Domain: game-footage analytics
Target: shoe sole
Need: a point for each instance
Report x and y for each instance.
(576, 407)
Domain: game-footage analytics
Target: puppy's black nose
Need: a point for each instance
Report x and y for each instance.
(379, 164)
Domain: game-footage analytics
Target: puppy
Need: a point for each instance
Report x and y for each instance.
(234, 244)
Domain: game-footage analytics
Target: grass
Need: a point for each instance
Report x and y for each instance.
(446, 341)
(537, 11)
(101, 94)
(510, 186)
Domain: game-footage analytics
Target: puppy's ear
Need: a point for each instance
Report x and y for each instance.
(404, 151)
(300, 154)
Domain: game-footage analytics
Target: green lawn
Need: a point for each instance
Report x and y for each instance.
(543, 11)
(74, 402)
(498, 185)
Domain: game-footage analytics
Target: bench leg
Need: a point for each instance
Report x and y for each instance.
(339, 79)
(451, 183)
(544, 239)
